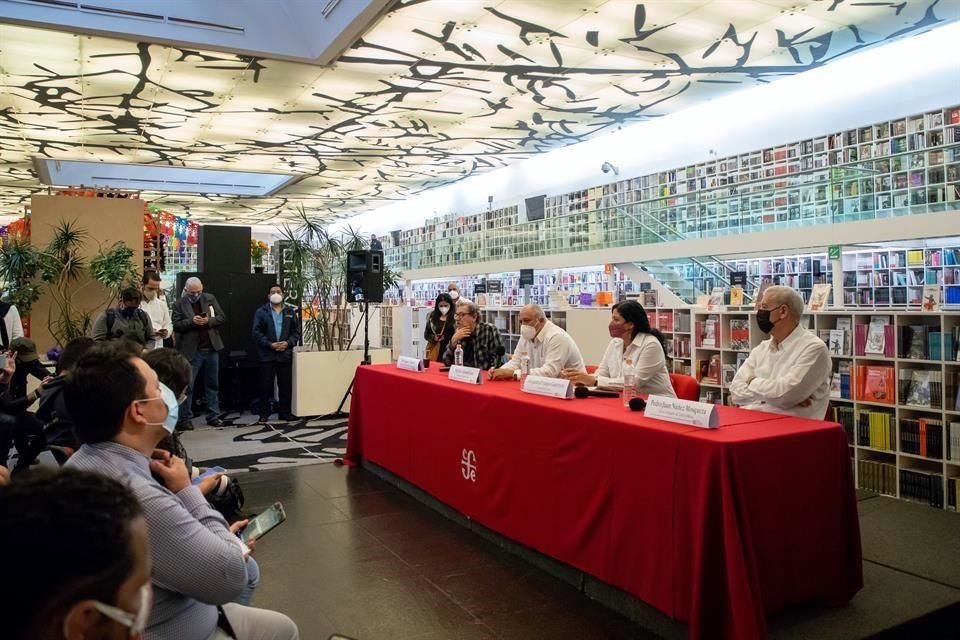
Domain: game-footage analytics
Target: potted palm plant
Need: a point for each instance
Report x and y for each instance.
(315, 267)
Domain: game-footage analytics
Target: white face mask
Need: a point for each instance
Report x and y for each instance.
(276, 298)
(454, 294)
(444, 308)
(528, 332)
(135, 622)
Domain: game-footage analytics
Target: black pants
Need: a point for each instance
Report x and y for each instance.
(24, 431)
(283, 372)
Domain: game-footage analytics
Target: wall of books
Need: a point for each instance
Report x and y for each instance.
(903, 166)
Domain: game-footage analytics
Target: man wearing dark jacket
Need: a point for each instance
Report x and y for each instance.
(276, 330)
(196, 317)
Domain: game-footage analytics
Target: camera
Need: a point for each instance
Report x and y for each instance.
(607, 167)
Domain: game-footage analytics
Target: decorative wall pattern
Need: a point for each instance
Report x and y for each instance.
(436, 91)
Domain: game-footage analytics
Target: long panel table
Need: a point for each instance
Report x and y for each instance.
(715, 528)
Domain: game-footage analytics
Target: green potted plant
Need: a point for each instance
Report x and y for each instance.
(315, 267)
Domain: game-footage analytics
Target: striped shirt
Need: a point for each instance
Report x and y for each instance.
(197, 562)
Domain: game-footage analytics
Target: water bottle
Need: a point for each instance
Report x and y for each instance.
(629, 382)
(524, 366)
(458, 356)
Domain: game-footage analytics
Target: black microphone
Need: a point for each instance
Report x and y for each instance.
(637, 404)
(500, 352)
(583, 392)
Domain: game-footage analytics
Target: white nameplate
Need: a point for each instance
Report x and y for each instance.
(695, 414)
(550, 387)
(409, 364)
(470, 375)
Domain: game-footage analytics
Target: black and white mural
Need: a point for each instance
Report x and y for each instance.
(435, 91)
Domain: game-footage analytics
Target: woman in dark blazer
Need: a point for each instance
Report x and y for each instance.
(276, 330)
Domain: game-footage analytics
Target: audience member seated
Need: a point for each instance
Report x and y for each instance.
(790, 372)
(52, 409)
(551, 349)
(480, 340)
(645, 348)
(120, 412)
(98, 586)
(440, 327)
(17, 426)
(28, 364)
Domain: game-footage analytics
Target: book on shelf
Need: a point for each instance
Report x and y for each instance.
(707, 330)
(740, 334)
(921, 388)
(819, 297)
(836, 341)
(953, 439)
(876, 429)
(875, 384)
(879, 477)
(736, 296)
(717, 295)
(875, 338)
(919, 486)
(922, 437)
(729, 370)
(931, 298)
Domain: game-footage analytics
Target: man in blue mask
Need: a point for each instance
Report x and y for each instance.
(196, 317)
(120, 411)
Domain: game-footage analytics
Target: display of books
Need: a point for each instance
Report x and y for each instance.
(876, 335)
(740, 334)
(931, 298)
(819, 297)
(919, 391)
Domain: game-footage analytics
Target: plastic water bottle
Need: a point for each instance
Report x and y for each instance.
(524, 366)
(629, 382)
(458, 356)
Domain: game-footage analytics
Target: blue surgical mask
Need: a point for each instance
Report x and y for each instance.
(194, 298)
(173, 407)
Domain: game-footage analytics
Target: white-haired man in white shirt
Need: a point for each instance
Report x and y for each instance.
(790, 372)
(550, 348)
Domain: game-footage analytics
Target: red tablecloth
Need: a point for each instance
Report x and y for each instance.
(715, 528)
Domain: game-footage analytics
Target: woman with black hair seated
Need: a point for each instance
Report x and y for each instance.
(631, 338)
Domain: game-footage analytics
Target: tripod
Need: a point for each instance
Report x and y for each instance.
(340, 413)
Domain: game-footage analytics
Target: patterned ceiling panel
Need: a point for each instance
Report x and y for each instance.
(436, 91)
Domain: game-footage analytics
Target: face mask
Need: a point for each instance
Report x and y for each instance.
(194, 298)
(614, 330)
(149, 294)
(173, 408)
(276, 298)
(135, 622)
(444, 308)
(527, 331)
(454, 295)
(763, 320)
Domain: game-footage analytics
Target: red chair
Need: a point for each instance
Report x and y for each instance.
(591, 368)
(686, 387)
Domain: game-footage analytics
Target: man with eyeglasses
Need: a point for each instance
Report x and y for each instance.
(480, 340)
(790, 372)
(102, 590)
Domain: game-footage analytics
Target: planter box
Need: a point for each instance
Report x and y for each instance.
(320, 378)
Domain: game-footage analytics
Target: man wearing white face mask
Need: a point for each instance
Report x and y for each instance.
(276, 330)
(120, 413)
(551, 349)
(453, 290)
(103, 589)
(156, 309)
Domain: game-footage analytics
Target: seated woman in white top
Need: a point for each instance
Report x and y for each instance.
(644, 347)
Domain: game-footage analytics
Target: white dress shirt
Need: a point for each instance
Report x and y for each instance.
(550, 352)
(777, 378)
(646, 353)
(159, 315)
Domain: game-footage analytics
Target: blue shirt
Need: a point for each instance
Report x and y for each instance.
(277, 321)
(197, 562)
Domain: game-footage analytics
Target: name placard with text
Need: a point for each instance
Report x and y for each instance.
(688, 412)
(408, 363)
(550, 387)
(470, 375)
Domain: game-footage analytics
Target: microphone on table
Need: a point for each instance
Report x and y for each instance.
(637, 404)
(500, 352)
(583, 392)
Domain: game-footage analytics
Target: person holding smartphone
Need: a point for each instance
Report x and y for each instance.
(196, 317)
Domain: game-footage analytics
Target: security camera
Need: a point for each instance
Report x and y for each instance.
(607, 167)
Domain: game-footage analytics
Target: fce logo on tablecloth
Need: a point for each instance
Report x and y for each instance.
(468, 460)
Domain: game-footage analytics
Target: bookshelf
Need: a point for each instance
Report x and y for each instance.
(896, 277)
(902, 166)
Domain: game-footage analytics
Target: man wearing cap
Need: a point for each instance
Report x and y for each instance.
(28, 364)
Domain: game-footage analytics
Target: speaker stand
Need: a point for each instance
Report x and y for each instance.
(340, 413)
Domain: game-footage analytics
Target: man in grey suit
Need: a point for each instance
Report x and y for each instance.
(196, 317)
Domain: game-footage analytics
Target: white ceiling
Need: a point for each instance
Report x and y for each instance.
(435, 91)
